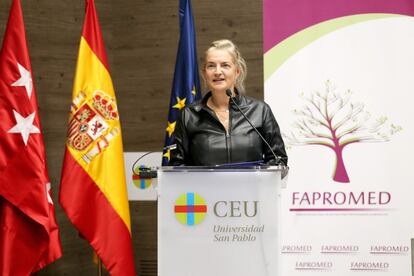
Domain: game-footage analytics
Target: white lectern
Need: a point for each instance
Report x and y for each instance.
(216, 221)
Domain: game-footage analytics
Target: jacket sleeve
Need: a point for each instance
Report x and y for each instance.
(273, 136)
(179, 154)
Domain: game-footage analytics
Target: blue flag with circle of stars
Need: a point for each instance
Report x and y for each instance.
(186, 83)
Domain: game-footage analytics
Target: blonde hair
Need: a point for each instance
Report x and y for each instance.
(231, 48)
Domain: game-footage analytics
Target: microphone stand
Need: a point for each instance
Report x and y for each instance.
(277, 158)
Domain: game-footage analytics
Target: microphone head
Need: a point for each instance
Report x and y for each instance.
(228, 92)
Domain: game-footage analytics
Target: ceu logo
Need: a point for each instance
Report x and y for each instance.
(141, 177)
(330, 119)
(190, 209)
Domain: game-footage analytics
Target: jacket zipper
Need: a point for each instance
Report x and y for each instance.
(227, 134)
(228, 138)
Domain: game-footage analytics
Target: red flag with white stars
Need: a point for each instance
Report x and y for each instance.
(29, 237)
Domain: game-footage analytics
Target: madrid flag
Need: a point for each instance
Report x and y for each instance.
(93, 188)
(29, 237)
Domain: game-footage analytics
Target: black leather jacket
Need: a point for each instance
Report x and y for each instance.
(201, 140)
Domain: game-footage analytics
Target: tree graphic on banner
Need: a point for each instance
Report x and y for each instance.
(330, 119)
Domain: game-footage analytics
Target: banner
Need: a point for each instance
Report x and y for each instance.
(141, 174)
(338, 76)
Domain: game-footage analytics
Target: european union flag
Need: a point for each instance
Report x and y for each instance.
(186, 84)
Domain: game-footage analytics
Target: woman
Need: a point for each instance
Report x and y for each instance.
(213, 131)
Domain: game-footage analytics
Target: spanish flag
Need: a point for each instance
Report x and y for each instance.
(93, 188)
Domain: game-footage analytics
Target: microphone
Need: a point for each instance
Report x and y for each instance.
(170, 147)
(277, 158)
(144, 172)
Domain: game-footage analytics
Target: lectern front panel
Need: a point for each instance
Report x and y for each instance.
(218, 222)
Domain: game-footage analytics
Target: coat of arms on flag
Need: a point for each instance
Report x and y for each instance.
(90, 127)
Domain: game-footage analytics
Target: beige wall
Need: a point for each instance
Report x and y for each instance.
(141, 39)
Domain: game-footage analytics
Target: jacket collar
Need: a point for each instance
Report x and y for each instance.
(239, 99)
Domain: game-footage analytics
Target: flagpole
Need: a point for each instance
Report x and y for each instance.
(99, 267)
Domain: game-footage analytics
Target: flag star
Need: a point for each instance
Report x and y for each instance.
(170, 128)
(25, 80)
(24, 126)
(49, 198)
(167, 154)
(180, 103)
(194, 92)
